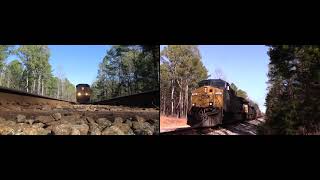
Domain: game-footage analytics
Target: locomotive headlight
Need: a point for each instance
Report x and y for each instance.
(194, 94)
(87, 94)
(210, 103)
(193, 104)
(79, 94)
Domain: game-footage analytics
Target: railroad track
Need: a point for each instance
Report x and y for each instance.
(23, 113)
(191, 131)
(235, 128)
(12, 96)
(145, 99)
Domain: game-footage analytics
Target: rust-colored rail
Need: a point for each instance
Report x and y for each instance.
(8, 95)
(145, 99)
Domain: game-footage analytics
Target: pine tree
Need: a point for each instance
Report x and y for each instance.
(126, 70)
(13, 75)
(5, 51)
(181, 70)
(293, 98)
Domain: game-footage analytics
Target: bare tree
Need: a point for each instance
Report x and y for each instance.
(219, 74)
(61, 75)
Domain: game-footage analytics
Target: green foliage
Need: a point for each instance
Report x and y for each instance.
(36, 60)
(5, 51)
(181, 70)
(13, 74)
(293, 97)
(52, 86)
(32, 72)
(239, 92)
(125, 70)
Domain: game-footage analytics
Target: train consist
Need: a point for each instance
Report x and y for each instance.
(83, 93)
(214, 102)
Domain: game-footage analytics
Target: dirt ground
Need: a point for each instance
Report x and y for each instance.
(168, 123)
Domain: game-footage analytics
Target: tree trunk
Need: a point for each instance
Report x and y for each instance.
(0, 78)
(42, 87)
(164, 104)
(39, 84)
(180, 98)
(129, 84)
(27, 82)
(34, 86)
(61, 89)
(180, 103)
(172, 93)
(136, 82)
(58, 89)
(186, 99)
(8, 81)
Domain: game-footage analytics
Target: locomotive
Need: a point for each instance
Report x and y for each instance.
(83, 93)
(214, 102)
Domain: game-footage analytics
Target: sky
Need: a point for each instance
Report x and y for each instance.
(244, 65)
(79, 63)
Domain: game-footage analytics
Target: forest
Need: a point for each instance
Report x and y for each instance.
(127, 70)
(293, 103)
(32, 72)
(181, 69)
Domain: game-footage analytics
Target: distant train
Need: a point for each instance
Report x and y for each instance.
(215, 102)
(83, 93)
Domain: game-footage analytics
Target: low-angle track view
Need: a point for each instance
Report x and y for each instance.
(29, 114)
(37, 104)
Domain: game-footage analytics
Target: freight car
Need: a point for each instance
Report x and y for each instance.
(83, 93)
(214, 102)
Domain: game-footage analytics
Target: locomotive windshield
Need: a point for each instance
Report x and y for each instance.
(83, 85)
(213, 82)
